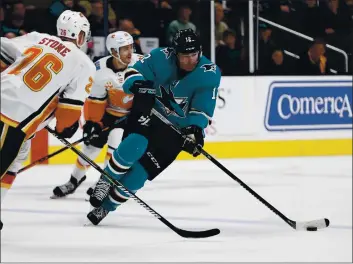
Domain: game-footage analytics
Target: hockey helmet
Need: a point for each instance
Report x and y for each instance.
(70, 24)
(116, 40)
(186, 41)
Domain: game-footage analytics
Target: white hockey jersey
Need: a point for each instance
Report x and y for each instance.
(47, 77)
(107, 94)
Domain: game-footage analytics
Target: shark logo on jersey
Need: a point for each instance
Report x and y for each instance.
(172, 105)
(167, 52)
(209, 67)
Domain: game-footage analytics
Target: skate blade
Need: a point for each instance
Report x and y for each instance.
(86, 221)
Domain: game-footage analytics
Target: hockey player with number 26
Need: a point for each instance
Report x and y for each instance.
(44, 80)
(181, 85)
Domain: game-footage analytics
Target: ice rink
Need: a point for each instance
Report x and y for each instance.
(191, 195)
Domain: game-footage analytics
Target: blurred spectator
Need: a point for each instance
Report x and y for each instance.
(88, 5)
(237, 17)
(75, 6)
(220, 25)
(158, 14)
(18, 8)
(277, 65)
(310, 19)
(266, 45)
(12, 24)
(44, 19)
(17, 23)
(337, 23)
(69, 3)
(182, 22)
(282, 12)
(128, 26)
(96, 19)
(314, 61)
(228, 55)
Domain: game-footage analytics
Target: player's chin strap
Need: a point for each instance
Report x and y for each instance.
(119, 59)
(309, 225)
(180, 232)
(41, 160)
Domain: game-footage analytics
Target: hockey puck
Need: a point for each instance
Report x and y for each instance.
(311, 228)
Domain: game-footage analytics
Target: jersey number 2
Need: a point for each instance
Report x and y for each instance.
(40, 74)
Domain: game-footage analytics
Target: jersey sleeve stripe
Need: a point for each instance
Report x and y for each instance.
(70, 106)
(68, 101)
(196, 112)
(6, 58)
(97, 99)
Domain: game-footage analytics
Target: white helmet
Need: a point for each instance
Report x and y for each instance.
(70, 24)
(116, 40)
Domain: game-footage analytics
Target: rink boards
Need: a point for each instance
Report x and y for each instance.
(265, 117)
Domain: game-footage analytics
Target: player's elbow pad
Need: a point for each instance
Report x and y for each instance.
(94, 108)
(67, 113)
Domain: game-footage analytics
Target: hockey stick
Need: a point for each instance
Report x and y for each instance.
(180, 232)
(309, 225)
(65, 148)
(48, 156)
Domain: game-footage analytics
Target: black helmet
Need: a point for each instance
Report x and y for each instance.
(186, 41)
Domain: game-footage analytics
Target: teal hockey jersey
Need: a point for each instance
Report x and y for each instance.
(184, 101)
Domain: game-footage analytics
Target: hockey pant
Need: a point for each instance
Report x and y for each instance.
(159, 151)
(13, 152)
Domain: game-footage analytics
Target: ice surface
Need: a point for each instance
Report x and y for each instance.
(191, 195)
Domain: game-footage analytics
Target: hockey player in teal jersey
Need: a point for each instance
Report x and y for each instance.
(181, 85)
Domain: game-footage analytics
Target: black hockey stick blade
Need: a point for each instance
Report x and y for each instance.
(197, 234)
(309, 226)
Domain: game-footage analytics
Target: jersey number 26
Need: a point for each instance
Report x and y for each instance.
(39, 75)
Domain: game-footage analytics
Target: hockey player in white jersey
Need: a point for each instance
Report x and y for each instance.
(106, 103)
(45, 80)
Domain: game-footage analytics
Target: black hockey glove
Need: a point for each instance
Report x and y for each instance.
(91, 130)
(144, 97)
(193, 139)
(68, 132)
(141, 87)
(140, 114)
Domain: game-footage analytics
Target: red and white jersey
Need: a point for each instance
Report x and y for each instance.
(48, 76)
(107, 94)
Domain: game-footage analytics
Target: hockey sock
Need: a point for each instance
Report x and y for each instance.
(133, 180)
(108, 156)
(6, 183)
(129, 151)
(81, 165)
